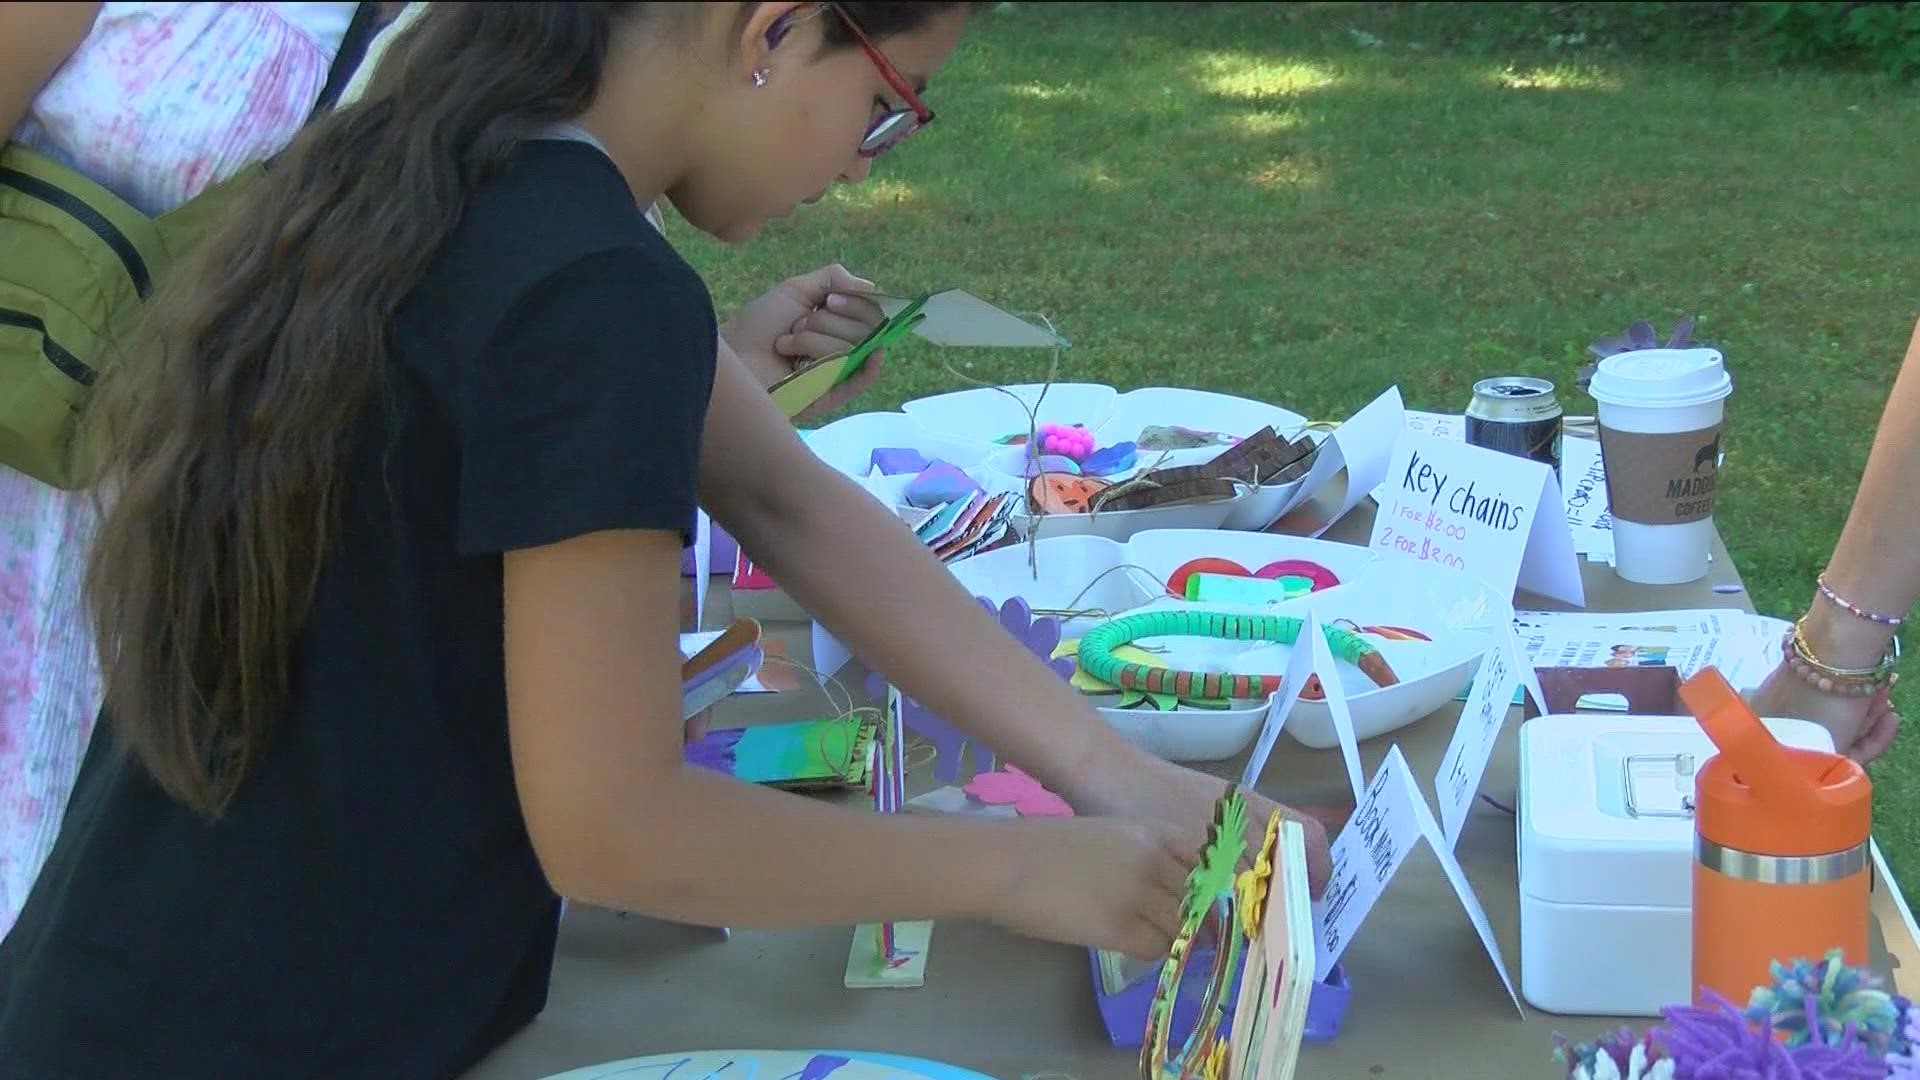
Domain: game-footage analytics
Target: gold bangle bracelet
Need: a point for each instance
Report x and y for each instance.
(1804, 649)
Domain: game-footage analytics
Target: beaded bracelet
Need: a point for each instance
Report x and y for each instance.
(1852, 608)
(1844, 682)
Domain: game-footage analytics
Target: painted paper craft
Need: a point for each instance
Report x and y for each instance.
(889, 954)
(896, 461)
(947, 516)
(804, 755)
(720, 666)
(1276, 913)
(777, 677)
(987, 526)
(944, 317)
(956, 317)
(1011, 787)
(960, 525)
(1207, 912)
(798, 390)
(940, 482)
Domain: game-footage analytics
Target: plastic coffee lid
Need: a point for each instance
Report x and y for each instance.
(1661, 378)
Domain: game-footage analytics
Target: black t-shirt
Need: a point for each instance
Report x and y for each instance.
(371, 906)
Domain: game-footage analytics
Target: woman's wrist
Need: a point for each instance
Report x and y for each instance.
(1842, 639)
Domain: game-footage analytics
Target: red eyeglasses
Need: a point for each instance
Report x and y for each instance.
(896, 124)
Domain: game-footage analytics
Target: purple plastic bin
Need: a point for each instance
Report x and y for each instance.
(1124, 1014)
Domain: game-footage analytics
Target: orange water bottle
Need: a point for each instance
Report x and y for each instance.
(1781, 838)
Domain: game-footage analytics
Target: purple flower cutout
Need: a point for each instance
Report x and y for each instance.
(1040, 635)
(1641, 335)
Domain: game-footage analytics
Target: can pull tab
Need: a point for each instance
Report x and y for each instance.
(1762, 765)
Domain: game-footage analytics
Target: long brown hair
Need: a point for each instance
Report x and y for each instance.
(226, 433)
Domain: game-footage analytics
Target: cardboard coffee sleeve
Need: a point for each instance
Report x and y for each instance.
(1661, 479)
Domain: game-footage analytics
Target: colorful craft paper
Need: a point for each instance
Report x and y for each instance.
(1012, 787)
(835, 752)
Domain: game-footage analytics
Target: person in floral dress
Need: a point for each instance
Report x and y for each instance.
(156, 102)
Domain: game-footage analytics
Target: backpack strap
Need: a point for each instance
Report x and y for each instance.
(353, 48)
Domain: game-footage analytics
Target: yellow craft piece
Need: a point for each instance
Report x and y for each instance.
(1216, 1067)
(1087, 683)
(809, 384)
(1252, 884)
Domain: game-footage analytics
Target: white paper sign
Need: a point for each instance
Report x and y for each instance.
(1302, 663)
(1388, 822)
(1366, 854)
(1589, 517)
(1492, 515)
(1463, 889)
(1465, 763)
(1451, 427)
(702, 566)
(1350, 463)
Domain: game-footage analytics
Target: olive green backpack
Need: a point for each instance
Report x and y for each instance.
(76, 261)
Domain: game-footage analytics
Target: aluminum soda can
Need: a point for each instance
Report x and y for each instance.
(1518, 415)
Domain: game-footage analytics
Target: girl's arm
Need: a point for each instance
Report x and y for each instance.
(618, 818)
(35, 39)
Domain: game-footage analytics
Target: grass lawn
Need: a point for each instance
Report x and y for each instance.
(1306, 203)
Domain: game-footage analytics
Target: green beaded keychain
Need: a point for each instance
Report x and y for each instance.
(1097, 660)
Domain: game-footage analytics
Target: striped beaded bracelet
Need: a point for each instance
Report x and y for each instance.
(1826, 590)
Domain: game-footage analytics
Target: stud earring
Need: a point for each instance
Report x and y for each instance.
(759, 76)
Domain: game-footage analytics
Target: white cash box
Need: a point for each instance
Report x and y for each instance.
(1605, 820)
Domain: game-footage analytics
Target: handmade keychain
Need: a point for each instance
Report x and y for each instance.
(1097, 659)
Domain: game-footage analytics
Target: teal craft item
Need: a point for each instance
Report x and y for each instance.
(1097, 659)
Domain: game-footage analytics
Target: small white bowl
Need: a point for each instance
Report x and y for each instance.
(987, 414)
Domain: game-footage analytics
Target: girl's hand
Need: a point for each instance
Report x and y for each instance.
(1110, 883)
(1140, 785)
(803, 319)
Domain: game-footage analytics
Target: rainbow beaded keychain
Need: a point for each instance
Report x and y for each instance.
(1096, 656)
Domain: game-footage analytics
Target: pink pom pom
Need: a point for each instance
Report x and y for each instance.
(1066, 440)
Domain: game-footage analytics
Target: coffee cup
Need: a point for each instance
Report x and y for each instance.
(1660, 412)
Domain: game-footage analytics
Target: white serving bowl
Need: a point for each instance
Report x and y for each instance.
(848, 443)
(987, 414)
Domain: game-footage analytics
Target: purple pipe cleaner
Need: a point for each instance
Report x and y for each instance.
(1718, 1042)
(1040, 636)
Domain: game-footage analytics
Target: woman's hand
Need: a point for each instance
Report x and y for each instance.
(803, 319)
(1862, 728)
(1110, 883)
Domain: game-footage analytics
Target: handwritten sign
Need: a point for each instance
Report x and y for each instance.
(1369, 851)
(1493, 515)
(1589, 516)
(1464, 764)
